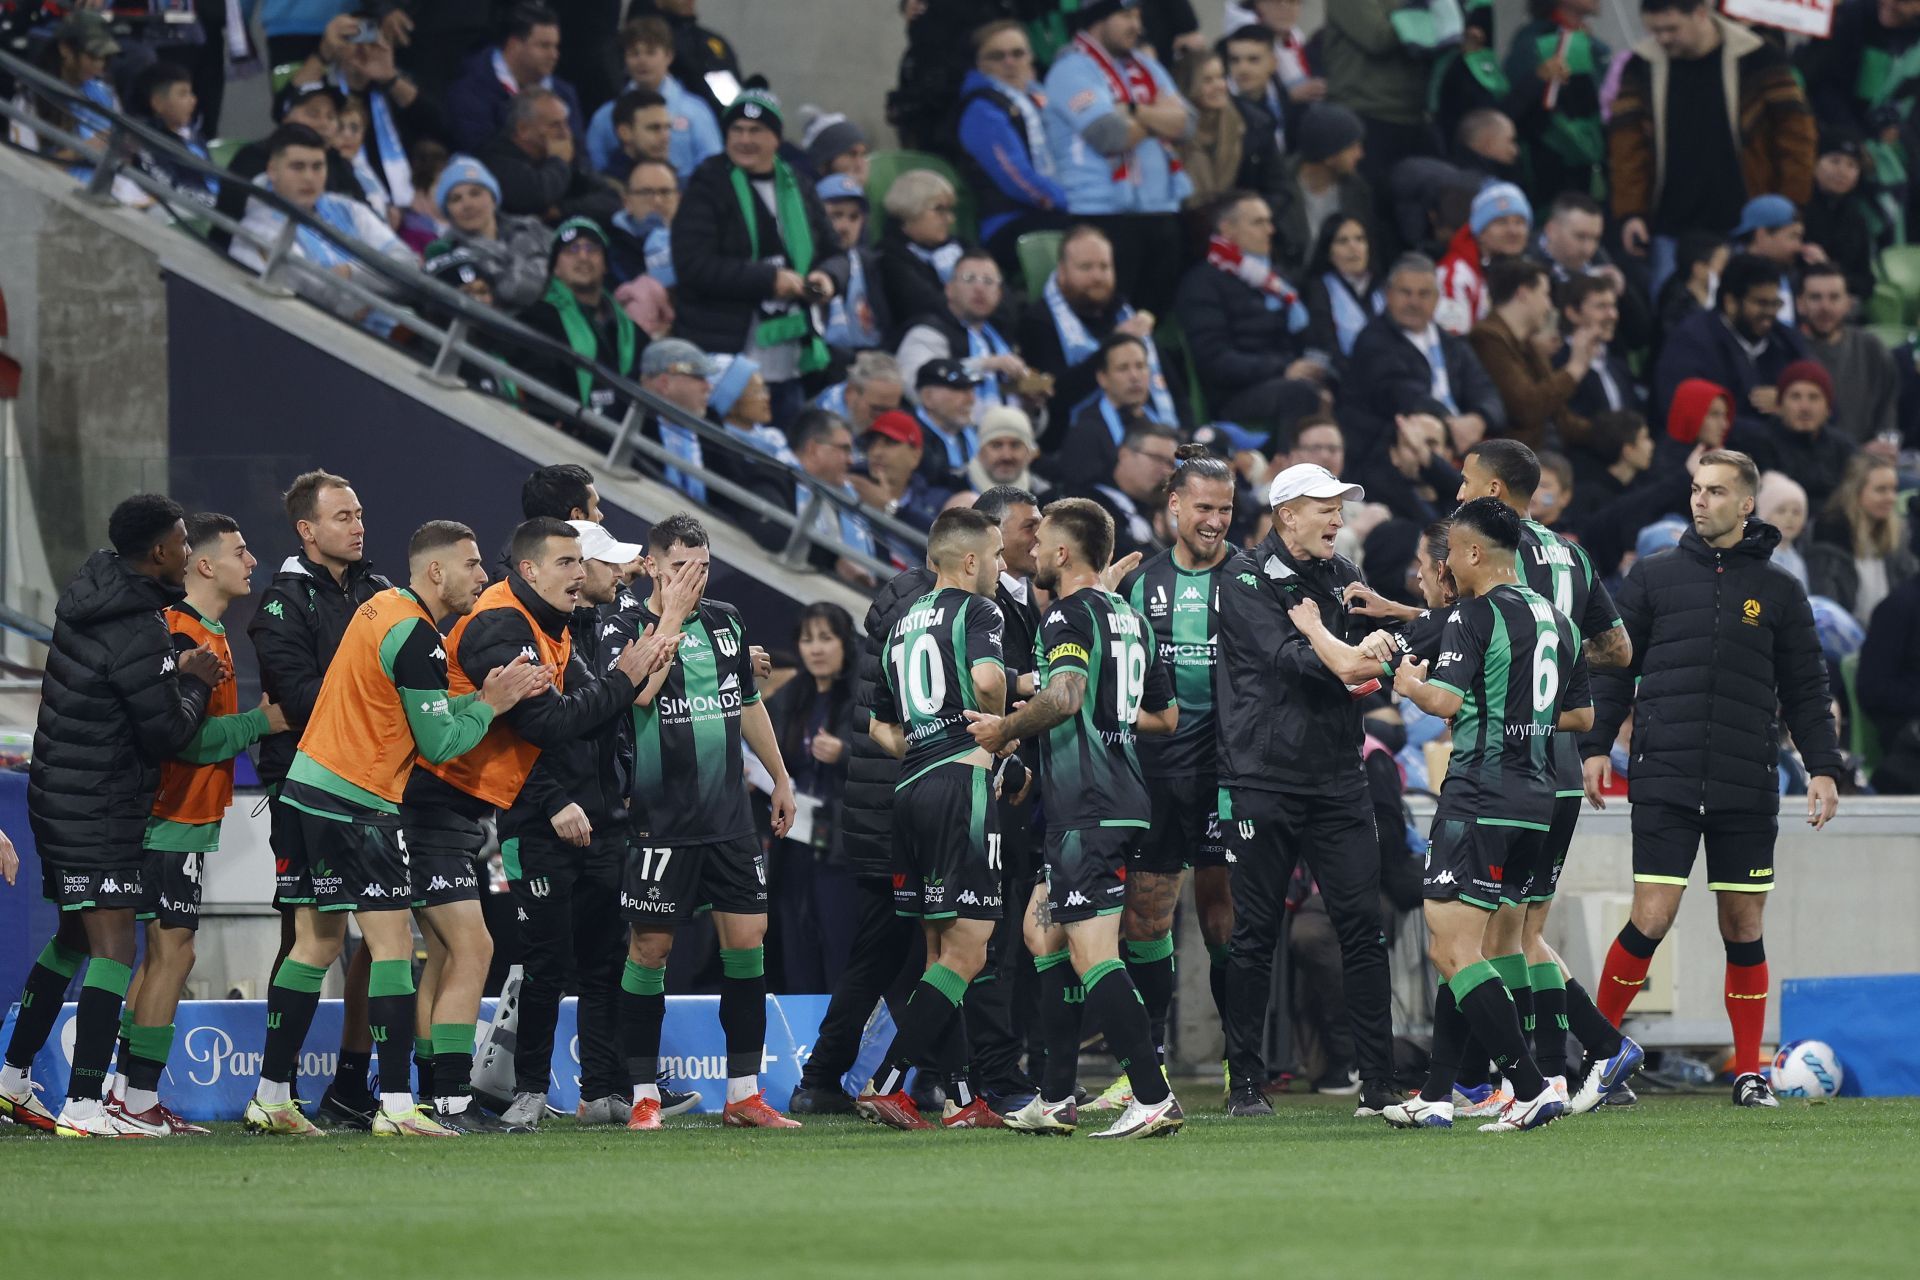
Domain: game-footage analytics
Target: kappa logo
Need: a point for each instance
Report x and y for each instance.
(439, 653)
(609, 629)
(374, 891)
(1056, 616)
(277, 609)
(1454, 616)
(1192, 593)
(528, 652)
(969, 897)
(1078, 899)
(1248, 579)
(167, 664)
(1445, 877)
(626, 601)
(520, 914)
(438, 882)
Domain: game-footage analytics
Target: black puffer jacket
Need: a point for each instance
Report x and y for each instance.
(1237, 341)
(113, 709)
(1724, 647)
(298, 625)
(866, 807)
(1286, 723)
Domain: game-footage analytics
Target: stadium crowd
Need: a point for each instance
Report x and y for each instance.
(1167, 279)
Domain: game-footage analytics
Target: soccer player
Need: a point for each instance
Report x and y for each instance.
(527, 612)
(1509, 673)
(1724, 648)
(1178, 592)
(564, 846)
(1549, 998)
(694, 842)
(384, 703)
(942, 659)
(302, 615)
(117, 702)
(1100, 684)
(196, 786)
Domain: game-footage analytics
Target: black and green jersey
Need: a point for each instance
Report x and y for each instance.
(1183, 608)
(1515, 662)
(926, 674)
(1091, 774)
(687, 782)
(1560, 571)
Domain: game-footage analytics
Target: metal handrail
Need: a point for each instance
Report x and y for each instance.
(453, 341)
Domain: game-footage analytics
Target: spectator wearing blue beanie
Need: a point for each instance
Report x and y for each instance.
(513, 250)
(740, 400)
(1498, 225)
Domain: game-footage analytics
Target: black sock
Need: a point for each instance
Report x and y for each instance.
(1450, 1035)
(743, 1008)
(1523, 1006)
(351, 1078)
(955, 1055)
(423, 1067)
(1549, 1031)
(1474, 1067)
(642, 1008)
(390, 1020)
(291, 1000)
(40, 1002)
(1061, 1001)
(1150, 965)
(452, 1075)
(930, 1011)
(96, 1026)
(1590, 1027)
(1490, 1010)
(1116, 1009)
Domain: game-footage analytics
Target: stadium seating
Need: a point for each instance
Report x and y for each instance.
(1039, 252)
(884, 166)
(1898, 268)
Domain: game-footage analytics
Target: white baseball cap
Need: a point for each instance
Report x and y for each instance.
(1311, 480)
(597, 544)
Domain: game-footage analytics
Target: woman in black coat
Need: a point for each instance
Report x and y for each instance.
(1341, 287)
(813, 719)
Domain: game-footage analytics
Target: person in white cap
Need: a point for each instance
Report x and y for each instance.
(1006, 454)
(564, 848)
(1287, 688)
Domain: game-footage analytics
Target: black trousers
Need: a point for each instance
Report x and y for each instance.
(997, 1018)
(572, 939)
(882, 943)
(1270, 831)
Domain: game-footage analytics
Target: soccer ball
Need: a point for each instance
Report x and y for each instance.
(1807, 1069)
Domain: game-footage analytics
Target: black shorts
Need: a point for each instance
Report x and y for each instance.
(664, 885)
(1553, 858)
(1186, 826)
(1481, 864)
(346, 866)
(1087, 871)
(292, 886)
(170, 889)
(86, 888)
(443, 855)
(1666, 839)
(946, 845)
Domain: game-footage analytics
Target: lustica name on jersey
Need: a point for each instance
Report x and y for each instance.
(923, 619)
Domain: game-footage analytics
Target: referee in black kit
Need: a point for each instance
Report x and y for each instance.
(1287, 687)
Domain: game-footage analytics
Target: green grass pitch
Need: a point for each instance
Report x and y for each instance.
(1675, 1187)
